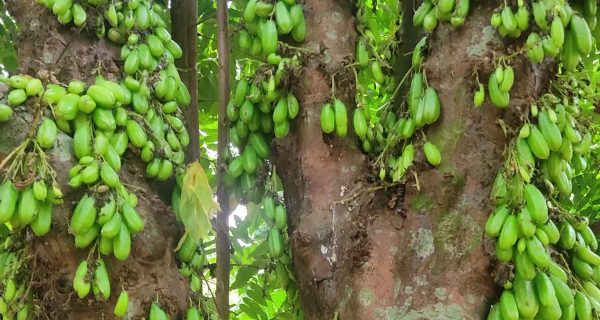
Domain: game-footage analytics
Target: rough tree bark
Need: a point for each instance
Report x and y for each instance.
(400, 253)
(45, 47)
(222, 222)
(185, 15)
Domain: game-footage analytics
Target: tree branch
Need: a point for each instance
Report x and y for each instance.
(185, 14)
(410, 36)
(223, 242)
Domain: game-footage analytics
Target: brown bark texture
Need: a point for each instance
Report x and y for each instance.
(151, 271)
(223, 243)
(406, 252)
(185, 14)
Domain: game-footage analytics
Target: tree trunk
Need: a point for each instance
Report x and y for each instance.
(50, 51)
(416, 251)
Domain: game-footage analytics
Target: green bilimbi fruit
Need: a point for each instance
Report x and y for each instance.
(122, 304)
(84, 215)
(341, 118)
(80, 284)
(535, 51)
(508, 306)
(17, 97)
(156, 313)
(327, 119)
(122, 243)
(362, 55)
(525, 298)
(85, 239)
(479, 96)
(39, 190)
(5, 112)
(275, 243)
(47, 133)
(79, 15)
(582, 33)
(132, 218)
(269, 37)
(507, 79)
(293, 106)
(509, 20)
(421, 12)
(360, 123)
(283, 18)
(101, 283)
(280, 217)
(137, 135)
(432, 154)
(537, 144)
(9, 196)
(28, 206)
(499, 99)
(431, 111)
(34, 87)
(43, 221)
(250, 160)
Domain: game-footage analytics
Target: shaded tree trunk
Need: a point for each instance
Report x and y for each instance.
(401, 252)
(57, 53)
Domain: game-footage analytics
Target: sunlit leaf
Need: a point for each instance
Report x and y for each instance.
(197, 205)
(243, 275)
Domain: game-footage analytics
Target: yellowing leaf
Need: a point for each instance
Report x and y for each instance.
(197, 206)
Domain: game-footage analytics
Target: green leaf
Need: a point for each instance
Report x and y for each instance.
(243, 275)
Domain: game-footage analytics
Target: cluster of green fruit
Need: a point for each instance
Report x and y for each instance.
(274, 214)
(499, 85)
(113, 226)
(430, 12)
(142, 112)
(31, 206)
(261, 33)
(557, 271)
(260, 107)
(257, 112)
(193, 258)
(191, 254)
(14, 304)
(97, 280)
(566, 28)
(391, 137)
(389, 132)
(423, 109)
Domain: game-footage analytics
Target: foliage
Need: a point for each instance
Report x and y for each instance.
(8, 33)
(197, 199)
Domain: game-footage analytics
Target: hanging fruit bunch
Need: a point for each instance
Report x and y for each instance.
(429, 13)
(553, 250)
(561, 30)
(389, 133)
(141, 112)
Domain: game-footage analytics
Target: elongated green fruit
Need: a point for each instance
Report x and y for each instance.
(499, 99)
(495, 222)
(582, 33)
(536, 204)
(508, 306)
(122, 304)
(341, 118)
